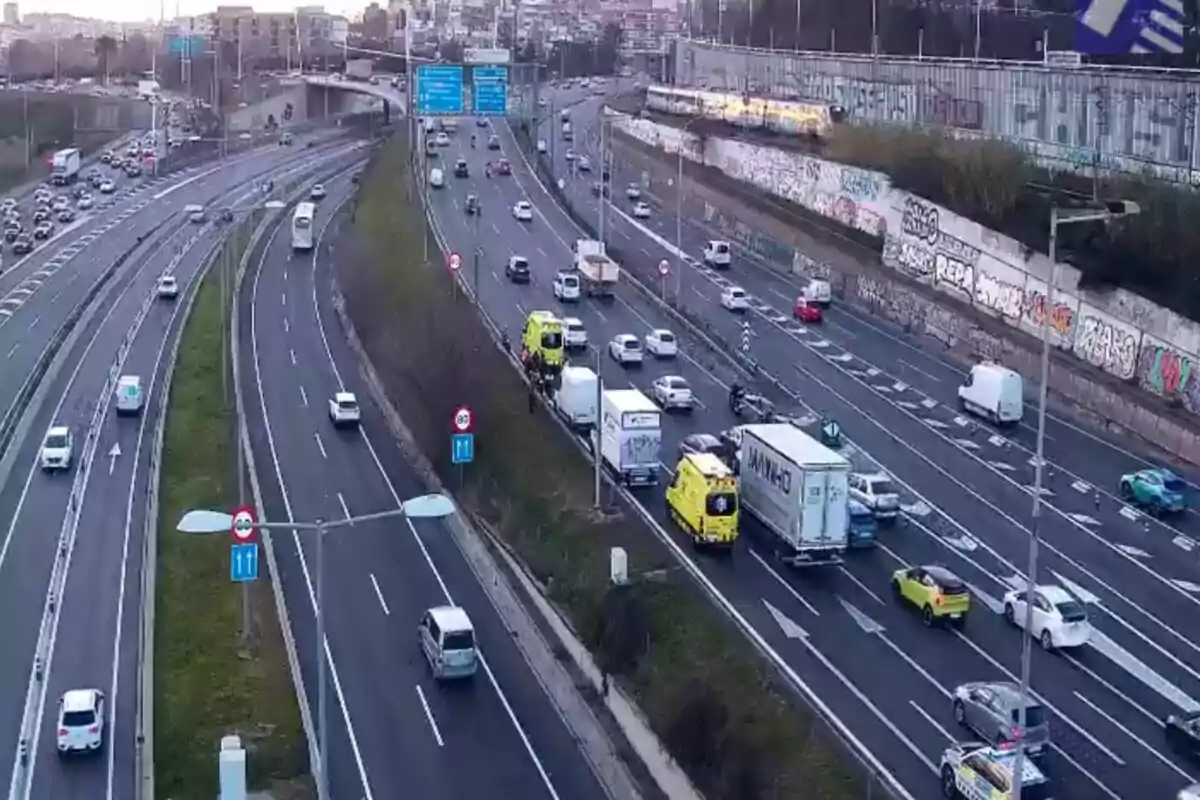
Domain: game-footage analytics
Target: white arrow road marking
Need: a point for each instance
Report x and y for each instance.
(963, 543)
(917, 509)
(1002, 466)
(1130, 550)
(907, 405)
(1184, 542)
(790, 629)
(1044, 491)
(1187, 586)
(1084, 519)
(842, 357)
(866, 623)
(1129, 513)
(961, 421)
(1085, 597)
(993, 604)
(858, 373)
(1033, 462)
(883, 389)
(966, 444)
(900, 386)
(113, 454)
(934, 423)
(1083, 487)
(820, 344)
(995, 440)
(929, 402)
(872, 372)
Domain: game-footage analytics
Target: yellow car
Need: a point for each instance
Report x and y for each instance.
(938, 593)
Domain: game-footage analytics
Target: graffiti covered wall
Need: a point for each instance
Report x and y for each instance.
(1118, 332)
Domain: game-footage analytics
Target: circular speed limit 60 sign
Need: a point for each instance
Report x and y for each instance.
(243, 524)
(464, 420)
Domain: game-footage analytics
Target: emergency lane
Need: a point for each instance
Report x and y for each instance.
(920, 543)
(405, 731)
(78, 640)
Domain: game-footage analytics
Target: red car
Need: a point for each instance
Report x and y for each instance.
(806, 310)
(503, 167)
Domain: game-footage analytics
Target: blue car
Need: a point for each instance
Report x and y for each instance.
(862, 527)
(1157, 490)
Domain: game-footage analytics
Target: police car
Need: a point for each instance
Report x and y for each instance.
(975, 771)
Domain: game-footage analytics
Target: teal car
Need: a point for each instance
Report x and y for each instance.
(861, 525)
(1157, 490)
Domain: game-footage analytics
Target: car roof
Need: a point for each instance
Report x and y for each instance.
(572, 321)
(1007, 693)
(1056, 594)
(706, 439)
(345, 397)
(942, 575)
(709, 465)
(874, 476)
(79, 699)
(59, 430)
(451, 618)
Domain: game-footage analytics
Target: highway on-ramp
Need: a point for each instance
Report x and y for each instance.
(883, 673)
(393, 730)
(73, 541)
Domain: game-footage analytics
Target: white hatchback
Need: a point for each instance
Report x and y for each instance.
(80, 723)
(625, 349)
(523, 211)
(575, 336)
(168, 287)
(734, 298)
(641, 210)
(672, 392)
(58, 449)
(1059, 618)
(661, 343)
(344, 410)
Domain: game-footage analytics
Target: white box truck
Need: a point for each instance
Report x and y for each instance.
(359, 69)
(798, 489)
(575, 400)
(64, 166)
(630, 436)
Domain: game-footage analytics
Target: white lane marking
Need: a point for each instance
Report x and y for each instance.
(1161, 758)
(292, 353)
(437, 734)
(320, 445)
(345, 508)
(12, 350)
(786, 586)
(379, 595)
(861, 585)
(934, 723)
(296, 543)
(303, 397)
(283, 298)
(287, 328)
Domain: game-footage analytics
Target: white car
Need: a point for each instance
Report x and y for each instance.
(523, 211)
(877, 492)
(584, 164)
(570, 155)
(59, 204)
(672, 392)
(168, 287)
(641, 210)
(85, 202)
(80, 723)
(661, 343)
(108, 187)
(343, 410)
(566, 286)
(575, 336)
(541, 146)
(633, 191)
(58, 449)
(317, 192)
(1059, 619)
(8, 204)
(734, 298)
(442, 140)
(625, 349)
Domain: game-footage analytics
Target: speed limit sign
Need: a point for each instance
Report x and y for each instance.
(243, 527)
(454, 261)
(664, 267)
(464, 420)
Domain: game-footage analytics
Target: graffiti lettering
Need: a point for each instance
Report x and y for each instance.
(950, 112)
(812, 170)
(949, 270)
(859, 183)
(911, 258)
(920, 220)
(986, 346)
(1104, 344)
(958, 249)
(1062, 316)
(871, 223)
(1169, 373)
(999, 296)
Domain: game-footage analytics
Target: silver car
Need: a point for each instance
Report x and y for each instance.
(992, 711)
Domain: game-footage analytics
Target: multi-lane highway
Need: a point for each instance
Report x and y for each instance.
(884, 673)
(393, 730)
(70, 553)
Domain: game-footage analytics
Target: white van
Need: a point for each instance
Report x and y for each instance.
(447, 638)
(993, 392)
(129, 395)
(195, 213)
(437, 179)
(818, 291)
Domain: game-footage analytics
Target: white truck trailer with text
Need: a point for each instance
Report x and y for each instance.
(797, 488)
(630, 436)
(64, 166)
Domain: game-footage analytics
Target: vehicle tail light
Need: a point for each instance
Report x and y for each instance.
(94, 729)
(1015, 733)
(62, 733)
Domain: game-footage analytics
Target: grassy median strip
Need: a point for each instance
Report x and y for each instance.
(717, 707)
(208, 683)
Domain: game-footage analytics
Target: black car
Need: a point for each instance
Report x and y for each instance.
(461, 170)
(41, 215)
(11, 234)
(472, 205)
(517, 270)
(227, 215)
(1183, 734)
(23, 245)
(96, 181)
(493, 142)
(701, 443)
(43, 231)
(133, 171)
(66, 215)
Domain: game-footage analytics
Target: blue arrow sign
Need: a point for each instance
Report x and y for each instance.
(243, 563)
(440, 89)
(489, 91)
(462, 448)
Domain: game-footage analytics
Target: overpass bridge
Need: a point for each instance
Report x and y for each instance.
(314, 98)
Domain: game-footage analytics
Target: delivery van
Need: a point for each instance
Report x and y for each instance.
(447, 639)
(993, 392)
(702, 500)
(129, 395)
(437, 179)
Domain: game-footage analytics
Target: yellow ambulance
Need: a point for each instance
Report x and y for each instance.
(703, 500)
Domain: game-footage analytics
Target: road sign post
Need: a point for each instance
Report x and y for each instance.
(454, 264)
(243, 562)
(664, 269)
(462, 439)
(243, 558)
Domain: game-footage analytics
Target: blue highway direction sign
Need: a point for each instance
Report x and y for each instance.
(489, 91)
(440, 89)
(462, 448)
(243, 563)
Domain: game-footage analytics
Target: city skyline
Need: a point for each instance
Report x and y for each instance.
(148, 10)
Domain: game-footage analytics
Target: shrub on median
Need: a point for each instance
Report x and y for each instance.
(716, 707)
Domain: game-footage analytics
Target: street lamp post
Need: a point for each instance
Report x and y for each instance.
(1058, 217)
(428, 506)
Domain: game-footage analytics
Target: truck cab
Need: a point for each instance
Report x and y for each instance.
(993, 392)
(702, 500)
(718, 254)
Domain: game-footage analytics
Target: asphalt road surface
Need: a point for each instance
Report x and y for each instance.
(393, 731)
(78, 536)
(967, 507)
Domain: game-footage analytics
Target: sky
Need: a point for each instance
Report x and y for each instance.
(140, 10)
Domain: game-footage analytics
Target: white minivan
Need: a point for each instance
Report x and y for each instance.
(993, 392)
(447, 639)
(129, 395)
(437, 179)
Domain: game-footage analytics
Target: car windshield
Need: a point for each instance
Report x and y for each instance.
(56, 441)
(632, 344)
(303, 222)
(347, 405)
(551, 341)
(1034, 716)
(721, 248)
(677, 383)
(458, 640)
(666, 338)
(883, 487)
(576, 327)
(520, 264)
(78, 719)
(736, 293)
(1174, 485)
(721, 504)
(1071, 611)
(571, 280)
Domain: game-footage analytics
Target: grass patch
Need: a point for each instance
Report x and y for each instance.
(718, 709)
(208, 683)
